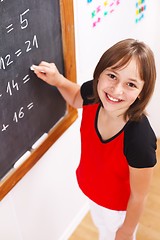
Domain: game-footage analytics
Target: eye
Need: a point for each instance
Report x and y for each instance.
(132, 85)
(112, 76)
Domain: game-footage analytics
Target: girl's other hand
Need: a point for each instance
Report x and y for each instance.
(122, 235)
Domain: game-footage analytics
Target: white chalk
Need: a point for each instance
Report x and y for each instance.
(32, 68)
(22, 159)
(39, 141)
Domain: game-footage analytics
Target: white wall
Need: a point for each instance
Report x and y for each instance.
(47, 203)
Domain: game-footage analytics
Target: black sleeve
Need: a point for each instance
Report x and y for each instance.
(87, 92)
(140, 144)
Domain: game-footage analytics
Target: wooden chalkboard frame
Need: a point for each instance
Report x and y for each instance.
(68, 42)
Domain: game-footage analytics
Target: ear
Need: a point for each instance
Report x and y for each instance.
(139, 97)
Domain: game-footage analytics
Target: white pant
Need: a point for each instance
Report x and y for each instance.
(107, 221)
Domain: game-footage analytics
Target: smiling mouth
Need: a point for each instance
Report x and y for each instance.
(113, 99)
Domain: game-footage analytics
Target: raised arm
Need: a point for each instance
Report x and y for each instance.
(70, 91)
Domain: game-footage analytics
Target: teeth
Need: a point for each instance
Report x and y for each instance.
(113, 99)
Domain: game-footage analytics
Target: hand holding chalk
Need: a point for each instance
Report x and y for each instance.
(49, 73)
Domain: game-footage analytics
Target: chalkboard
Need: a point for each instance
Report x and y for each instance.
(31, 31)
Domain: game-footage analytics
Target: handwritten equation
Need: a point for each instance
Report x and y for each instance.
(99, 11)
(14, 85)
(5, 61)
(17, 116)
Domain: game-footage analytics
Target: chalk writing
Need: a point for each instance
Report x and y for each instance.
(10, 86)
(17, 116)
(29, 106)
(26, 79)
(4, 127)
(7, 60)
(13, 86)
(23, 20)
(9, 28)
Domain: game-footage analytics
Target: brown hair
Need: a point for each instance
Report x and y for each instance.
(117, 57)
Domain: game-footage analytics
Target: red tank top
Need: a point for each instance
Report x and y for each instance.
(103, 172)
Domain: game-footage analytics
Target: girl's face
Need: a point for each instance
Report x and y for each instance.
(118, 89)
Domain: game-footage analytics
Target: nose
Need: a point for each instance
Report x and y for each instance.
(118, 89)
